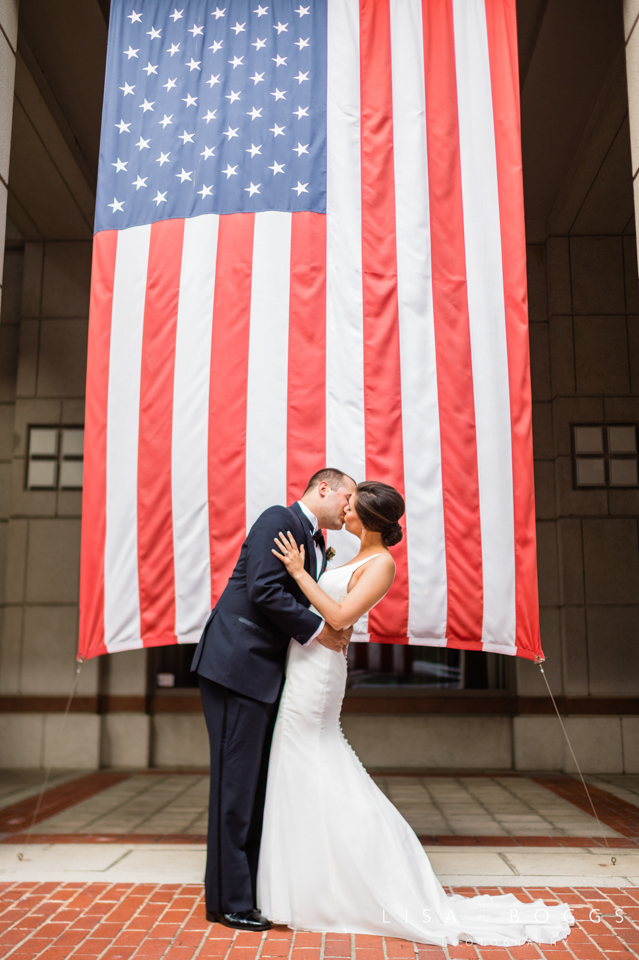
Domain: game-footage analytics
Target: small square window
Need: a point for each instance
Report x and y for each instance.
(591, 472)
(622, 439)
(71, 474)
(43, 475)
(589, 440)
(55, 458)
(623, 472)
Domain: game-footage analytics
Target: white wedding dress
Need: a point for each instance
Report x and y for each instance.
(336, 855)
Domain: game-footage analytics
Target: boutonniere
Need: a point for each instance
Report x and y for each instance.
(330, 553)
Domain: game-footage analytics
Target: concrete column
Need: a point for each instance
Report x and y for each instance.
(8, 44)
(631, 35)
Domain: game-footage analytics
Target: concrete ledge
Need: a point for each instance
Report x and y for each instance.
(437, 742)
(179, 740)
(43, 740)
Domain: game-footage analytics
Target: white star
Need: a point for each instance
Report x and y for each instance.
(230, 171)
(127, 89)
(153, 33)
(206, 192)
(119, 165)
(301, 112)
(278, 131)
(217, 45)
(302, 43)
(166, 121)
(184, 175)
(150, 69)
(277, 167)
(258, 44)
(257, 78)
(169, 84)
(230, 133)
(301, 77)
(239, 27)
(300, 149)
(147, 106)
(303, 11)
(196, 31)
(254, 188)
(174, 48)
(186, 137)
(217, 13)
(134, 17)
(163, 158)
(210, 115)
(253, 150)
(232, 96)
(237, 62)
(143, 144)
(278, 94)
(261, 11)
(189, 100)
(213, 80)
(193, 64)
(161, 198)
(123, 127)
(140, 182)
(116, 205)
(130, 53)
(280, 27)
(279, 61)
(177, 14)
(208, 152)
(301, 188)
(255, 113)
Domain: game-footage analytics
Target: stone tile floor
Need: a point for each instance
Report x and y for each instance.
(100, 921)
(491, 806)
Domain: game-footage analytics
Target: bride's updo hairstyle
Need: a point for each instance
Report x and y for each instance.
(379, 507)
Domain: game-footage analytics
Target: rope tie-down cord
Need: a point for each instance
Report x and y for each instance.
(47, 775)
(539, 663)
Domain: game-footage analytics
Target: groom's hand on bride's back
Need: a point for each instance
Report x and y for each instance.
(335, 639)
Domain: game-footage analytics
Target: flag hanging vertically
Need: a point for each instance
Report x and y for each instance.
(309, 251)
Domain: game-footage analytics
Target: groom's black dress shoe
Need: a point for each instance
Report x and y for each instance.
(242, 920)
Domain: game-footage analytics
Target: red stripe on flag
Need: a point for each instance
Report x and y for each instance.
(382, 371)
(452, 332)
(95, 426)
(227, 403)
(306, 414)
(502, 47)
(156, 572)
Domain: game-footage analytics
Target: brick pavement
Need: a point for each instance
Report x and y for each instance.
(98, 921)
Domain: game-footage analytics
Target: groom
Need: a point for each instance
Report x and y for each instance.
(240, 663)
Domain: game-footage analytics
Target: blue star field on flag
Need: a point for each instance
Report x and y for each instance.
(212, 109)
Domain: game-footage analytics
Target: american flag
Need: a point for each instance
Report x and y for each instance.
(309, 251)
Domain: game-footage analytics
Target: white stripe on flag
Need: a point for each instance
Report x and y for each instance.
(266, 402)
(420, 413)
(486, 309)
(121, 596)
(345, 438)
(189, 451)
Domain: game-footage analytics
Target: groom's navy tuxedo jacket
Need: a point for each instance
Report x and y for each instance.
(245, 640)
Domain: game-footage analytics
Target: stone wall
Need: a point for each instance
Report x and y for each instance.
(584, 338)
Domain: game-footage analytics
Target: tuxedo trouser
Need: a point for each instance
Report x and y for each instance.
(240, 733)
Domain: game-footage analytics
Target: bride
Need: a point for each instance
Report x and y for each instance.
(336, 855)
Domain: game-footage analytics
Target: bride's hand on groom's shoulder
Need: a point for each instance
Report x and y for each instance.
(289, 553)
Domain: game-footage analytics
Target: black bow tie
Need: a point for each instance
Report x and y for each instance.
(318, 537)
